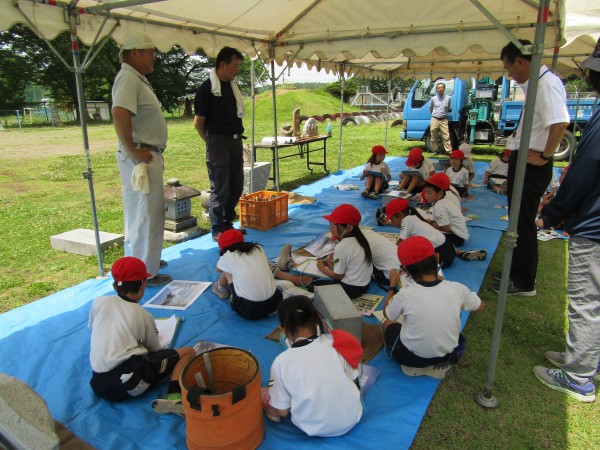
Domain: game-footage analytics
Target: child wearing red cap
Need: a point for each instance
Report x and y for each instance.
(411, 223)
(425, 167)
(429, 341)
(351, 265)
(125, 355)
(246, 277)
(496, 173)
(459, 175)
(448, 217)
(376, 172)
(311, 379)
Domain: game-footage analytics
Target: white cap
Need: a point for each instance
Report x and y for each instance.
(466, 149)
(138, 41)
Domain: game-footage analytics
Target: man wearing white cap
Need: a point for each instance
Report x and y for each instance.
(576, 207)
(142, 133)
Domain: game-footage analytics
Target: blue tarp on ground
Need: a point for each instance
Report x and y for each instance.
(46, 343)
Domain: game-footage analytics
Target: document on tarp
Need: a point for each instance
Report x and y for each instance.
(321, 246)
(178, 294)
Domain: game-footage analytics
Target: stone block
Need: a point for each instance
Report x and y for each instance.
(335, 305)
(83, 242)
(260, 177)
(25, 421)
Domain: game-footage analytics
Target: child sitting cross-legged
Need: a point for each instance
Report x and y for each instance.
(125, 355)
(351, 265)
(416, 160)
(458, 174)
(246, 278)
(429, 341)
(311, 380)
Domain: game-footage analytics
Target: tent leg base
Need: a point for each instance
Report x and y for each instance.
(490, 401)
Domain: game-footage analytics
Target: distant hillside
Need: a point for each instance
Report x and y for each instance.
(310, 102)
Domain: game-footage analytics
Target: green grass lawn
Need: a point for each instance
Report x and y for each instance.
(43, 194)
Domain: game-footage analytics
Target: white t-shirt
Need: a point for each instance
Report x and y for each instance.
(315, 383)
(120, 330)
(384, 252)
(250, 272)
(446, 212)
(460, 178)
(382, 167)
(498, 167)
(550, 108)
(133, 92)
(553, 182)
(349, 259)
(426, 168)
(431, 322)
(413, 226)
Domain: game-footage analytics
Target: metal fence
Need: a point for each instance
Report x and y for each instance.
(39, 114)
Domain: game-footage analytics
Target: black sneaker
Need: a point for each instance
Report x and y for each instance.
(159, 280)
(514, 290)
(380, 216)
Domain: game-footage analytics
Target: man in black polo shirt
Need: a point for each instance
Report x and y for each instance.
(219, 110)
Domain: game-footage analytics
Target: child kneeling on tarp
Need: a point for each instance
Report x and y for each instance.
(125, 355)
(311, 380)
(246, 278)
(429, 341)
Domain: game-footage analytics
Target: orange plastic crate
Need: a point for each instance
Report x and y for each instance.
(262, 210)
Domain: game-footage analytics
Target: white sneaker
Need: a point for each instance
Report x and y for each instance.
(438, 371)
(285, 260)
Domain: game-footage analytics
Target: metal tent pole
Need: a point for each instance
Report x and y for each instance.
(486, 397)
(276, 148)
(88, 174)
(252, 149)
(341, 78)
(387, 112)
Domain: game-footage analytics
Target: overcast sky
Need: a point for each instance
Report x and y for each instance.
(303, 75)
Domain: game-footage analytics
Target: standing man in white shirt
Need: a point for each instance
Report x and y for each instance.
(550, 120)
(440, 107)
(142, 132)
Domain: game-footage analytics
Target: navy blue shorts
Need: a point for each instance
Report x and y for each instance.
(134, 376)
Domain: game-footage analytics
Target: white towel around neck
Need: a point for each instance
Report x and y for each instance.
(215, 89)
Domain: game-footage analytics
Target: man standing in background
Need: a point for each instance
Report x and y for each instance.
(219, 109)
(550, 120)
(439, 108)
(142, 132)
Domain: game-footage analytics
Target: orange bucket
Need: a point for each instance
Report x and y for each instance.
(221, 400)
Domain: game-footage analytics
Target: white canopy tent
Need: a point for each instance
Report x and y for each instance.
(370, 38)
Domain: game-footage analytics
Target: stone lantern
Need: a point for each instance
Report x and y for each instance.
(178, 206)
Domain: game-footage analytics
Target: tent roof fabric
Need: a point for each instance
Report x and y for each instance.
(372, 38)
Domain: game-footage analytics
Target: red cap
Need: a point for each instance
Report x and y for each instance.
(129, 268)
(459, 154)
(506, 152)
(395, 206)
(414, 157)
(440, 180)
(347, 346)
(414, 249)
(344, 214)
(230, 237)
(378, 149)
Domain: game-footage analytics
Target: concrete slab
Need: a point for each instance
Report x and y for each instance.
(83, 242)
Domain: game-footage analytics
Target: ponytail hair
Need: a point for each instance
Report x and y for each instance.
(362, 241)
(411, 211)
(372, 159)
(298, 311)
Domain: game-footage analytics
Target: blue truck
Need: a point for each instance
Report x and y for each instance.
(482, 113)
